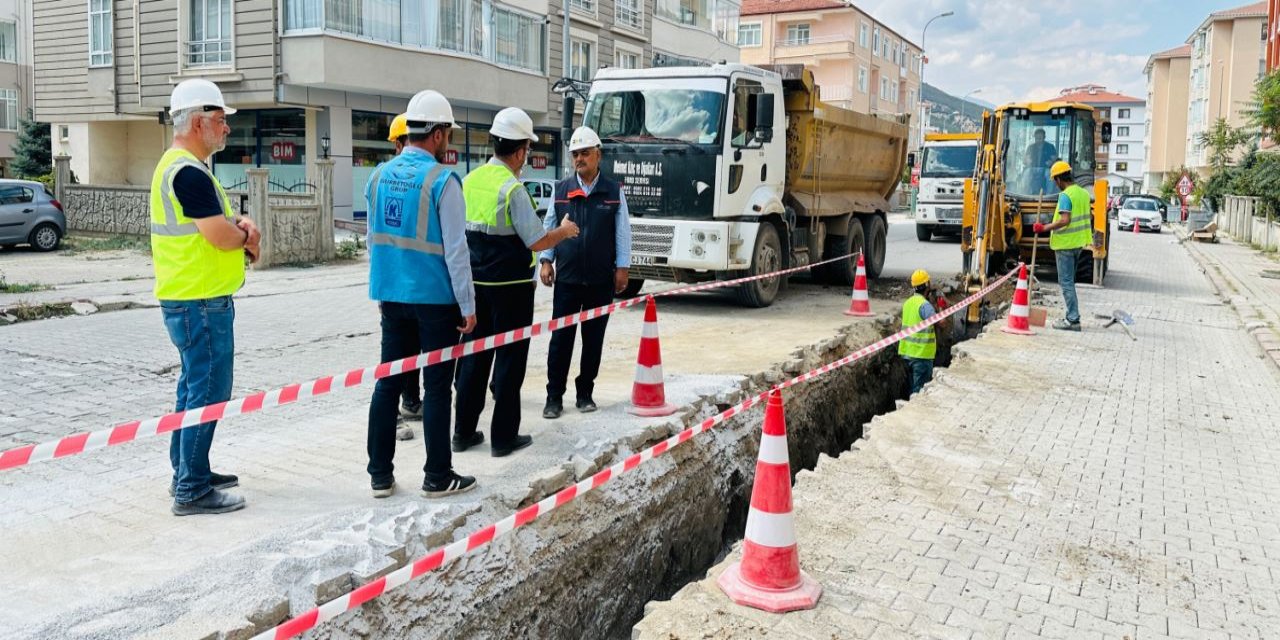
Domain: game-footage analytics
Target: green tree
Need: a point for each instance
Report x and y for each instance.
(1222, 140)
(1264, 111)
(33, 154)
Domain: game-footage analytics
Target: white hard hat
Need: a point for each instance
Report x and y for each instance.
(429, 107)
(583, 138)
(196, 93)
(513, 124)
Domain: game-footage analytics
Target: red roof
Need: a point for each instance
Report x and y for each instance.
(1252, 10)
(758, 7)
(1098, 95)
(1176, 52)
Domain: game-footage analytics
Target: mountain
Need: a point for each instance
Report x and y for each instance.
(946, 113)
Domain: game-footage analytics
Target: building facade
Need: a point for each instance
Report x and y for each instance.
(316, 78)
(1125, 155)
(1228, 55)
(1273, 35)
(858, 62)
(1168, 78)
(15, 76)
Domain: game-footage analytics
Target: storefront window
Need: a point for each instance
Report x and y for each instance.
(270, 138)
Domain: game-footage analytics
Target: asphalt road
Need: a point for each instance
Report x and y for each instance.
(940, 256)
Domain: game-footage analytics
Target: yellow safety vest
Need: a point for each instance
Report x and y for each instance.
(922, 345)
(187, 266)
(1079, 232)
(498, 255)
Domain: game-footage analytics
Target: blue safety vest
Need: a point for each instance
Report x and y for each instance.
(406, 246)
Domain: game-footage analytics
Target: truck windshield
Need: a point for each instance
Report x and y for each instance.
(949, 162)
(645, 115)
(1035, 143)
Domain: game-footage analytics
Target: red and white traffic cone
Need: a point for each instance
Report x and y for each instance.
(648, 394)
(860, 306)
(1136, 229)
(1020, 312)
(768, 577)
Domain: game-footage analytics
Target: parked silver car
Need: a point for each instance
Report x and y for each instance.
(30, 215)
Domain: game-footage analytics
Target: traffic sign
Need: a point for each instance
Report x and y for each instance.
(1185, 186)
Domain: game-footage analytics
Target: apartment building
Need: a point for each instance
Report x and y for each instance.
(15, 76)
(323, 78)
(1168, 79)
(1273, 35)
(1228, 55)
(860, 63)
(1126, 153)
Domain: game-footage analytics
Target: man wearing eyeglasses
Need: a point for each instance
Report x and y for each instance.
(586, 271)
(503, 231)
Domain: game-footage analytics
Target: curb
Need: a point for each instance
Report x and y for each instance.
(1224, 285)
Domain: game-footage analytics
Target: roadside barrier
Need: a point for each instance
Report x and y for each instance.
(130, 431)
(443, 556)
(1019, 322)
(860, 304)
(649, 391)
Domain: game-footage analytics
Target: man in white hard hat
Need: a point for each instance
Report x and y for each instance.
(198, 249)
(586, 271)
(503, 231)
(420, 275)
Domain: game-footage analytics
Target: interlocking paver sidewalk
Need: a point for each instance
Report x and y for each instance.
(1052, 486)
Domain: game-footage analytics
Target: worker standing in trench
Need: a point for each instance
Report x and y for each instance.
(918, 349)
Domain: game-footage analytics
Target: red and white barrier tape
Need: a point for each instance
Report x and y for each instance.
(452, 551)
(129, 431)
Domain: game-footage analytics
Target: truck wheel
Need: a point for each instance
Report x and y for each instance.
(923, 233)
(766, 258)
(841, 273)
(874, 233)
(634, 285)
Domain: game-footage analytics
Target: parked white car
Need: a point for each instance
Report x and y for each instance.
(1143, 212)
(543, 192)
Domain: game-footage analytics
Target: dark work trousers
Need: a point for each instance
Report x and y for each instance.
(499, 309)
(406, 328)
(412, 392)
(568, 299)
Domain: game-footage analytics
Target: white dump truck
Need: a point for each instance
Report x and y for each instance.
(733, 170)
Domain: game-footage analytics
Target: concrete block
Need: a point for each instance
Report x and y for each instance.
(332, 584)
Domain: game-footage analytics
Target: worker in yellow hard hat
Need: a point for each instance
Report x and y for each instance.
(1069, 233)
(399, 133)
(918, 349)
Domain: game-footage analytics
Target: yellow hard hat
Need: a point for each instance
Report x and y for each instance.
(399, 127)
(919, 277)
(1060, 167)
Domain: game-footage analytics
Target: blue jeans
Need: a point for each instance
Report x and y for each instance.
(202, 332)
(921, 372)
(1067, 260)
(406, 329)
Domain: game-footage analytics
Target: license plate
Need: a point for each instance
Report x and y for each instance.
(950, 214)
(643, 260)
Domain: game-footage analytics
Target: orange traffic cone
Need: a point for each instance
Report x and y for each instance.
(860, 306)
(1020, 312)
(1136, 229)
(769, 576)
(648, 394)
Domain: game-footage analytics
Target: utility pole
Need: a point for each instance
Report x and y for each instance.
(566, 103)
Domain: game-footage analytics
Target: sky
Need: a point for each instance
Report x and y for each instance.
(1032, 49)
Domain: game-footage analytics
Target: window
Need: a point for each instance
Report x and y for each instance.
(875, 42)
(1122, 167)
(743, 90)
(911, 98)
(629, 13)
(209, 34)
(581, 60)
(588, 6)
(695, 13)
(893, 51)
(798, 33)
(1122, 132)
(517, 39)
(8, 41)
(864, 33)
(1123, 114)
(100, 33)
(862, 79)
(884, 88)
(8, 110)
(692, 115)
(16, 194)
(884, 47)
(749, 35)
(1122, 149)
(624, 59)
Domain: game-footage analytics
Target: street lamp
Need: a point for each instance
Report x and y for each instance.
(924, 34)
(965, 101)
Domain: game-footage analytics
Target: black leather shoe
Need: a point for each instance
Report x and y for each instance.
(519, 443)
(586, 405)
(216, 480)
(462, 444)
(553, 409)
(213, 502)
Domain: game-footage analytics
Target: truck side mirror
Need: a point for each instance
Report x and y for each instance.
(1106, 133)
(763, 121)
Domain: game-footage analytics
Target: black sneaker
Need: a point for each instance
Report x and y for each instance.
(411, 408)
(462, 444)
(519, 443)
(586, 405)
(553, 409)
(216, 480)
(454, 483)
(210, 503)
(383, 489)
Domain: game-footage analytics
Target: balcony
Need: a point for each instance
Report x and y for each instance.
(827, 47)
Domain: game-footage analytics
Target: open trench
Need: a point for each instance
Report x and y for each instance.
(588, 570)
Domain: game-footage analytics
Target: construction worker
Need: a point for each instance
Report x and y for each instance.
(586, 274)
(411, 396)
(919, 348)
(503, 230)
(420, 275)
(1069, 233)
(198, 249)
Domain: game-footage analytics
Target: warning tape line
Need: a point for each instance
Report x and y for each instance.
(442, 556)
(134, 430)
